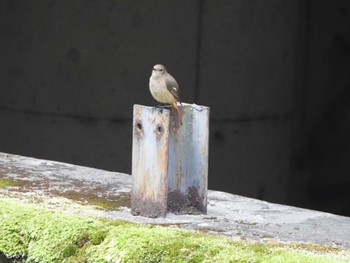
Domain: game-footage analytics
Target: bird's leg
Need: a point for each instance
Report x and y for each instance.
(159, 107)
(162, 106)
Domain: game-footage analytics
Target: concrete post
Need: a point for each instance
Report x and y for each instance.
(169, 161)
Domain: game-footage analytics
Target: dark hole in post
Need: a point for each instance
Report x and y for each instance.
(159, 130)
(139, 126)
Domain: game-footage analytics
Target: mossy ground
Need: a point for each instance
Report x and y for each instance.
(122, 200)
(89, 198)
(40, 235)
(9, 182)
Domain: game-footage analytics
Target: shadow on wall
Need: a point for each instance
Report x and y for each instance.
(328, 157)
(329, 116)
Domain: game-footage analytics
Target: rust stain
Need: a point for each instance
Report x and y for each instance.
(186, 203)
(148, 208)
(178, 177)
(175, 121)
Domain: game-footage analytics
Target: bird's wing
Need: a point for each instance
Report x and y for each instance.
(173, 87)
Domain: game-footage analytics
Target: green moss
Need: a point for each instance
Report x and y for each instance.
(69, 251)
(123, 200)
(101, 202)
(41, 235)
(9, 182)
(120, 201)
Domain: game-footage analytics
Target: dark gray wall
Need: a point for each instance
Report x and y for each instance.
(326, 166)
(275, 74)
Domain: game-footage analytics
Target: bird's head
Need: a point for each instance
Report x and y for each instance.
(158, 70)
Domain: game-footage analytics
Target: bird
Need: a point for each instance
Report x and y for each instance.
(164, 88)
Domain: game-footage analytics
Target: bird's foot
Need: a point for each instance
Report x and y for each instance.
(161, 107)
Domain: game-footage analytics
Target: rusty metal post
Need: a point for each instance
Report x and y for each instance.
(170, 161)
(150, 162)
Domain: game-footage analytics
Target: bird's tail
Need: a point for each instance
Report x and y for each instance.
(174, 104)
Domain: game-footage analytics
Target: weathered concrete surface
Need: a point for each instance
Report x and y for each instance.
(48, 183)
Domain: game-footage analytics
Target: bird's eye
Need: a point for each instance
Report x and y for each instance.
(154, 69)
(161, 69)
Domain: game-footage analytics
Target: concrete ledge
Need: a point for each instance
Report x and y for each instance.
(65, 187)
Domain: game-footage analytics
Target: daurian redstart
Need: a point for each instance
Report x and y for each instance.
(164, 88)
